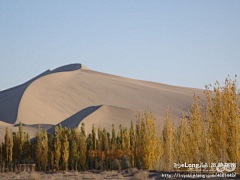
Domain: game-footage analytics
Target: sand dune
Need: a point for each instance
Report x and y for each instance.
(10, 99)
(74, 120)
(53, 98)
(73, 93)
(30, 129)
(106, 115)
(103, 116)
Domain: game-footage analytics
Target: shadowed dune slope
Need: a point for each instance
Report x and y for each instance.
(106, 115)
(75, 119)
(54, 98)
(102, 115)
(10, 98)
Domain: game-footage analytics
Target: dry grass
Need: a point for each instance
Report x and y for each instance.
(34, 176)
(140, 175)
(75, 175)
(119, 176)
(88, 175)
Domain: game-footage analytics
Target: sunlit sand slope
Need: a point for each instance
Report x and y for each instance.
(73, 94)
(53, 98)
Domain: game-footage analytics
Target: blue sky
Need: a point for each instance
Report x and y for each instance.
(182, 43)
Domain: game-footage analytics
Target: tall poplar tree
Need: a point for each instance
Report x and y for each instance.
(44, 146)
(57, 146)
(65, 152)
(7, 145)
(168, 142)
(94, 137)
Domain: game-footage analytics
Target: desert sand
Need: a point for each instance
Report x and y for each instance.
(73, 94)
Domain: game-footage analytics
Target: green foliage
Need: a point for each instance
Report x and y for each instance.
(168, 135)
(57, 146)
(93, 137)
(65, 152)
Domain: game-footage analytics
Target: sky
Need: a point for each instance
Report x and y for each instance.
(178, 42)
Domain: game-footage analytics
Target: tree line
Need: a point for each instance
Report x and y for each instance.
(210, 132)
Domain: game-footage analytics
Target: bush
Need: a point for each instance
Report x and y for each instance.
(116, 164)
(126, 162)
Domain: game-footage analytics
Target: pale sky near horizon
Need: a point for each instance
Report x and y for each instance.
(183, 43)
